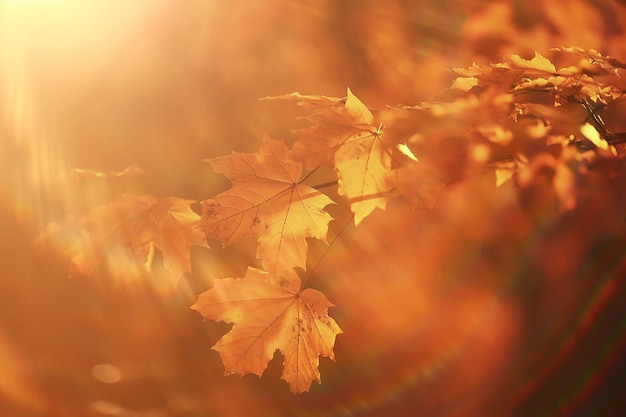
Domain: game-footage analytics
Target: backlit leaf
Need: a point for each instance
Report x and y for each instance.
(347, 138)
(267, 201)
(270, 314)
(124, 234)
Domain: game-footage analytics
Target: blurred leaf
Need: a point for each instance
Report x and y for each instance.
(124, 233)
(595, 57)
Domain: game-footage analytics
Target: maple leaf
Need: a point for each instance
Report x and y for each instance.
(483, 75)
(537, 65)
(125, 233)
(346, 138)
(465, 84)
(270, 314)
(595, 57)
(267, 200)
(503, 75)
(363, 165)
(591, 133)
(572, 88)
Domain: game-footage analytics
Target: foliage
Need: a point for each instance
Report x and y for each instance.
(522, 122)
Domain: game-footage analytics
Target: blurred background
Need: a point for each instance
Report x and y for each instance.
(484, 311)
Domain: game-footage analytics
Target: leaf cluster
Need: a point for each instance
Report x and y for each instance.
(521, 121)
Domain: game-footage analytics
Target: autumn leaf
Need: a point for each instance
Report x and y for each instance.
(464, 84)
(571, 84)
(537, 65)
(504, 171)
(569, 88)
(345, 137)
(330, 129)
(271, 313)
(503, 75)
(591, 133)
(267, 200)
(125, 234)
(483, 75)
(595, 57)
(363, 165)
(406, 151)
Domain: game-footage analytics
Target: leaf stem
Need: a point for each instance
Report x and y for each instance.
(307, 176)
(326, 184)
(330, 244)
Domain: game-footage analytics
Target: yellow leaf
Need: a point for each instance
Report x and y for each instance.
(591, 133)
(270, 314)
(465, 83)
(406, 151)
(538, 63)
(124, 234)
(267, 201)
(503, 175)
(347, 138)
(595, 57)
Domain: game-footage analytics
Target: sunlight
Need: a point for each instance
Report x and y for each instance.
(48, 48)
(22, 4)
(405, 250)
(55, 57)
(15, 381)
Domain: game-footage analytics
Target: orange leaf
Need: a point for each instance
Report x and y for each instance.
(591, 133)
(270, 314)
(595, 57)
(330, 129)
(538, 63)
(504, 172)
(267, 200)
(482, 75)
(465, 83)
(123, 235)
(347, 138)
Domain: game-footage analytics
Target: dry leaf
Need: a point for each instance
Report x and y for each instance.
(538, 63)
(268, 201)
(406, 151)
(465, 83)
(124, 234)
(504, 171)
(271, 313)
(591, 133)
(347, 138)
(595, 57)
